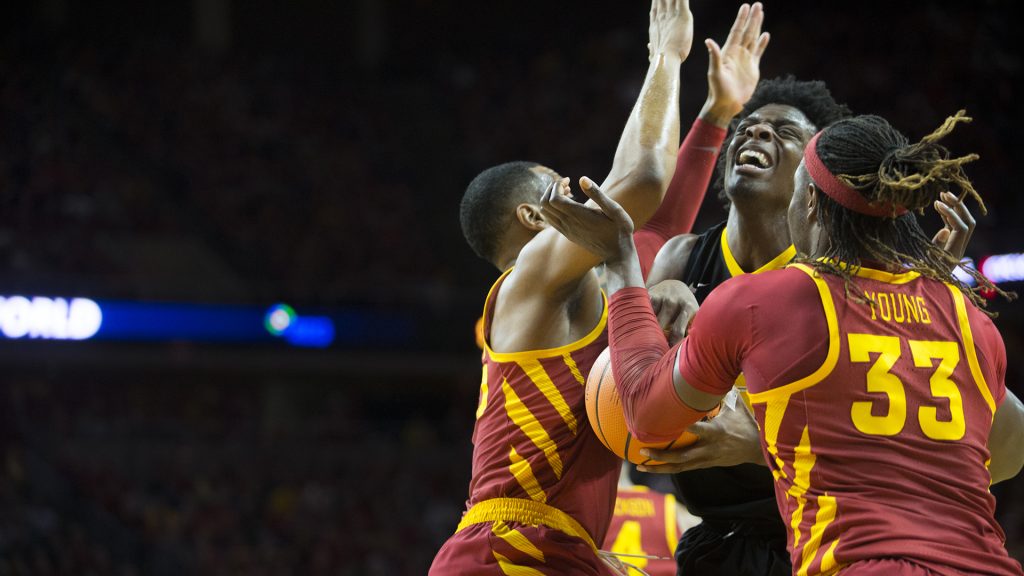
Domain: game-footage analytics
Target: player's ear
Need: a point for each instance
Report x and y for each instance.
(530, 217)
(813, 194)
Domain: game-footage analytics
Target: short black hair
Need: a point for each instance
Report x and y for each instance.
(487, 206)
(812, 97)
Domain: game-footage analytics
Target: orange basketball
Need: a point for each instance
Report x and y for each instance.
(604, 409)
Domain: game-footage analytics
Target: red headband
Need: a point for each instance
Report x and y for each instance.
(846, 197)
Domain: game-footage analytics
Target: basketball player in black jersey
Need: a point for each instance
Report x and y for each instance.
(742, 533)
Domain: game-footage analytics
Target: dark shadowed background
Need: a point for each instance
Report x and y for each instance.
(314, 152)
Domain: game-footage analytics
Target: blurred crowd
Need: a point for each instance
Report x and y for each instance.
(208, 479)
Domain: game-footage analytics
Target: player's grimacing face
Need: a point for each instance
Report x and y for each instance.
(765, 150)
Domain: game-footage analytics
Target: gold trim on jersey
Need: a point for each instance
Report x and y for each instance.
(972, 352)
(831, 358)
(803, 462)
(482, 402)
(546, 352)
(736, 270)
(536, 373)
(887, 277)
(524, 512)
(523, 473)
(528, 423)
(671, 522)
(826, 515)
(875, 274)
(516, 540)
(509, 568)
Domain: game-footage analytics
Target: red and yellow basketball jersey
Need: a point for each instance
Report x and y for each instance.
(543, 486)
(874, 418)
(644, 524)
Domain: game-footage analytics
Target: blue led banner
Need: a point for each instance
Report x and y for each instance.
(45, 318)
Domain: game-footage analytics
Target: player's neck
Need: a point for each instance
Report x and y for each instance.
(756, 235)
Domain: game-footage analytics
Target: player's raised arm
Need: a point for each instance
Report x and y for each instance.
(735, 68)
(644, 159)
(733, 73)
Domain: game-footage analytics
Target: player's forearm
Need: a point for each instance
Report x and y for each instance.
(644, 369)
(695, 163)
(719, 113)
(623, 271)
(646, 154)
(1006, 440)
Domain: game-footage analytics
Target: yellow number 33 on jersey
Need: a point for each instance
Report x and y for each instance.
(880, 380)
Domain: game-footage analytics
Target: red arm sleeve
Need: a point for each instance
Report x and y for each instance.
(678, 211)
(719, 338)
(643, 366)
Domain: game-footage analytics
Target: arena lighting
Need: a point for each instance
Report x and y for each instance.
(1003, 268)
(960, 274)
(49, 318)
(313, 331)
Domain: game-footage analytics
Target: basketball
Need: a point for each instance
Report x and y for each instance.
(604, 410)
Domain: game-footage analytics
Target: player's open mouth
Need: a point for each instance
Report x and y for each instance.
(751, 162)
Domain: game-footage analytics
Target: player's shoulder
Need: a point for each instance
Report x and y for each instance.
(981, 323)
(788, 279)
(672, 258)
(680, 244)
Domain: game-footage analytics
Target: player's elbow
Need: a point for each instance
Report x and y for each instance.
(1007, 439)
(647, 403)
(1008, 458)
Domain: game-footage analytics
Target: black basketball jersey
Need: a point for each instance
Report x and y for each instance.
(735, 493)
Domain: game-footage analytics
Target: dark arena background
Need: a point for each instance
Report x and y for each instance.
(236, 310)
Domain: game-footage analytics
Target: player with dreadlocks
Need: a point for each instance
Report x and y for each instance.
(876, 380)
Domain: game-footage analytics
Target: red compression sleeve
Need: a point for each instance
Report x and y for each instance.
(643, 366)
(678, 211)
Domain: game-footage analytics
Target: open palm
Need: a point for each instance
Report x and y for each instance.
(734, 68)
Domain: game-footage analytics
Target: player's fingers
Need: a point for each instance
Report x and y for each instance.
(676, 456)
(753, 29)
(703, 429)
(960, 207)
(662, 468)
(610, 207)
(736, 32)
(762, 45)
(941, 237)
(714, 56)
(549, 192)
(697, 456)
(949, 214)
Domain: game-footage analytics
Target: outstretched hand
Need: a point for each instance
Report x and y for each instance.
(606, 230)
(675, 305)
(734, 68)
(729, 439)
(958, 224)
(671, 30)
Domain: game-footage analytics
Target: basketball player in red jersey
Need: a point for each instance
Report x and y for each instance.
(876, 381)
(722, 478)
(543, 486)
(645, 527)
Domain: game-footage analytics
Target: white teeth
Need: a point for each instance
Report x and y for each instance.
(753, 157)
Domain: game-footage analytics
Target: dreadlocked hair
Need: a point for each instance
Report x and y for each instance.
(869, 155)
(812, 97)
